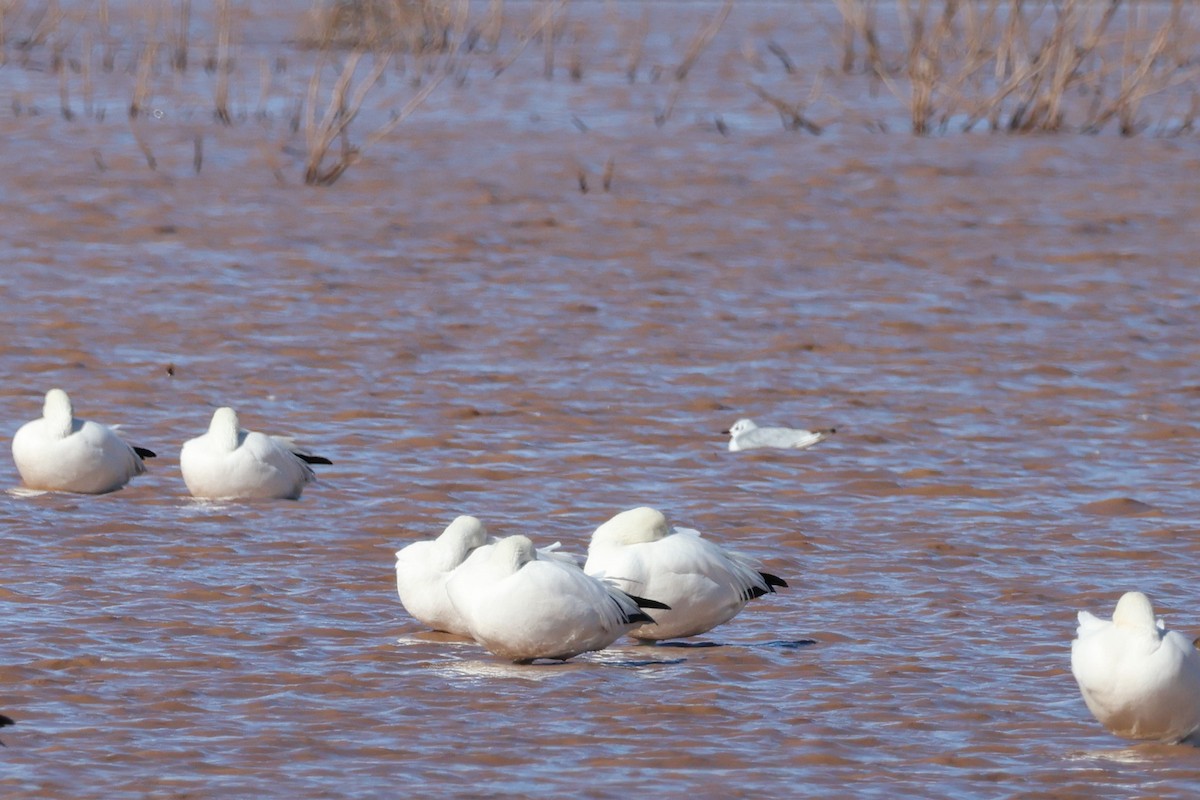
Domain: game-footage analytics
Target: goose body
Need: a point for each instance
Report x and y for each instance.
(1138, 679)
(704, 584)
(423, 568)
(746, 435)
(523, 606)
(60, 453)
(230, 463)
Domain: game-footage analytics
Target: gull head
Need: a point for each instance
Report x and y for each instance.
(740, 427)
(633, 526)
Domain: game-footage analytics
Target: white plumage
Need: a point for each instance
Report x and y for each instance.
(523, 607)
(422, 569)
(746, 435)
(1138, 679)
(230, 463)
(703, 584)
(63, 454)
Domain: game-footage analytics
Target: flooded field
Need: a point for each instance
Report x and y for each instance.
(1002, 328)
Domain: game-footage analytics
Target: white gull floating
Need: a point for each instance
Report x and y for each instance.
(746, 435)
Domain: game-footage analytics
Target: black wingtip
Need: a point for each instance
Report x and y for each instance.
(643, 602)
(773, 580)
(770, 581)
(6, 721)
(307, 459)
(144, 453)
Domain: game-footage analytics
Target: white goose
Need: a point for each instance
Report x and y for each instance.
(746, 435)
(1138, 679)
(422, 569)
(230, 463)
(703, 584)
(524, 607)
(60, 453)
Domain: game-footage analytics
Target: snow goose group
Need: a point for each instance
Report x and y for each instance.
(642, 578)
(61, 453)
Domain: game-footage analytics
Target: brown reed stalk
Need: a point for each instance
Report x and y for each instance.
(108, 60)
(141, 87)
(858, 21)
(637, 47)
(221, 90)
(197, 152)
(89, 107)
(344, 105)
(49, 20)
(64, 89)
(179, 50)
(699, 42)
(493, 25)
(5, 10)
(544, 18)
(790, 114)
(143, 145)
(549, 37)
(777, 50)
(265, 80)
(1138, 78)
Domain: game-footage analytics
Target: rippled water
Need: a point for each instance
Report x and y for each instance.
(1002, 329)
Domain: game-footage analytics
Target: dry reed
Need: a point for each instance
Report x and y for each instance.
(179, 47)
(345, 103)
(792, 115)
(141, 87)
(697, 46)
(1024, 66)
(223, 64)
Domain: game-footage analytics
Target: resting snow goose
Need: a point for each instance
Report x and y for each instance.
(60, 453)
(522, 606)
(1138, 679)
(422, 569)
(703, 584)
(233, 464)
(746, 435)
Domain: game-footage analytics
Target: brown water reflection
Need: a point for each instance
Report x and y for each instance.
(1003, 330)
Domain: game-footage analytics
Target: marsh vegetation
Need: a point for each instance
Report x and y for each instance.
(326, 82)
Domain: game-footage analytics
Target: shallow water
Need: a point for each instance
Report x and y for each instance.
(1002, 329)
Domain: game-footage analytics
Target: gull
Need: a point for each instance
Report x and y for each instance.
(522, 606)
(59, 453)
(704, 584)
(746, 435)
(1138, 679)
(234, 464)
